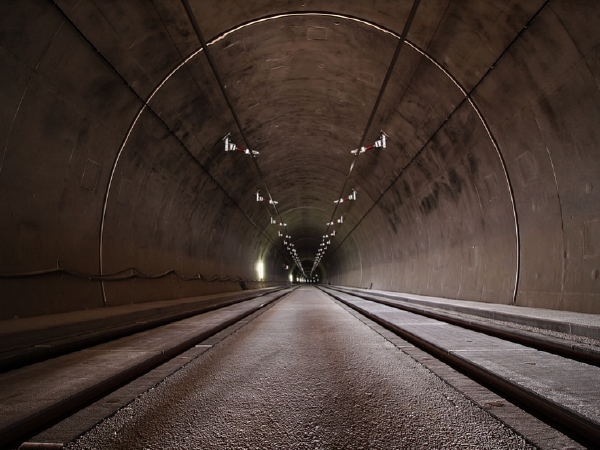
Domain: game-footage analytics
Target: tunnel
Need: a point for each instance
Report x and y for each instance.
(299, 224)
(162, 150)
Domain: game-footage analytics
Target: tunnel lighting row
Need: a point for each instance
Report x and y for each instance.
(230, 146)
(326, 243)
(381, 142)
(287, 239)
(289, 245)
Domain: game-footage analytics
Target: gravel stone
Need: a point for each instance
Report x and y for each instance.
(305, 374)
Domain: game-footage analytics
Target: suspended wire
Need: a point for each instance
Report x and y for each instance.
(468, 98)
(126, 274)
(145, 106)
(384, 84)
(236, 118)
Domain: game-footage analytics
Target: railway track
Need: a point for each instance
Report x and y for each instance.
(36, 395)
(554, 379)
(558, 386)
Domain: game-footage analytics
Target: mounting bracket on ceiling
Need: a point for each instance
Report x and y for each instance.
(350, 197)
(231, 147)
(260, 198)
(380, 143)
(340, 220)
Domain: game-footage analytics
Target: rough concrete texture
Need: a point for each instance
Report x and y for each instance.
(566, 324)
(304, 374)
(557, 380)
(64, 383)
(111, 154)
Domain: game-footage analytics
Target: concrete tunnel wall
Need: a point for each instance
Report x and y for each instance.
(112, 156)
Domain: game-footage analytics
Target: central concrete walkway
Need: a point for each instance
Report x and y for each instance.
(304, 374)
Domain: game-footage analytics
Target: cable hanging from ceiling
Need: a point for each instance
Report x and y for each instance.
(125, 274)
(380, 143)
(229, 145)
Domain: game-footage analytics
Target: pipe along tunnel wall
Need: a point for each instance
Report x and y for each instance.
(112, 158)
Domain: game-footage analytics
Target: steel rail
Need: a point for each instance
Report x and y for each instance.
(580, 427)
(16, 432)
(557, 346)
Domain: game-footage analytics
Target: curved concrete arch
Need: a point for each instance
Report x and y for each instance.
(487, 190)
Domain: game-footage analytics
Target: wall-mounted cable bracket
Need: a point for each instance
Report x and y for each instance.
(231, 147)
(351, 197)
(379, 143)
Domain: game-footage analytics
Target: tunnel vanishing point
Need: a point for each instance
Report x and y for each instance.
(165, 149)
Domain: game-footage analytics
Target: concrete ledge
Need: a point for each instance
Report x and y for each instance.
(34, 395)
(578, 324)
(554, 386)
(24, 341)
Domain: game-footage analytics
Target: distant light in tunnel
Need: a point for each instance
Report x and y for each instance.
(260, 269)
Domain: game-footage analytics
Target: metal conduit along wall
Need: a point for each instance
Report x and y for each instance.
(112, 160)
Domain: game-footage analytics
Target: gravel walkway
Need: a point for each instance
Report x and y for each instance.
(305, 374)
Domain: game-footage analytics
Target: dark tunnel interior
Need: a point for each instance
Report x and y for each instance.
(479, 180)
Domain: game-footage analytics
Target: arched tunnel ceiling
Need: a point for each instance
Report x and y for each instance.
(304, 85)
(123, 116)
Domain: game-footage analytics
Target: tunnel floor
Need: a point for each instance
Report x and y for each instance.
(306, 373)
